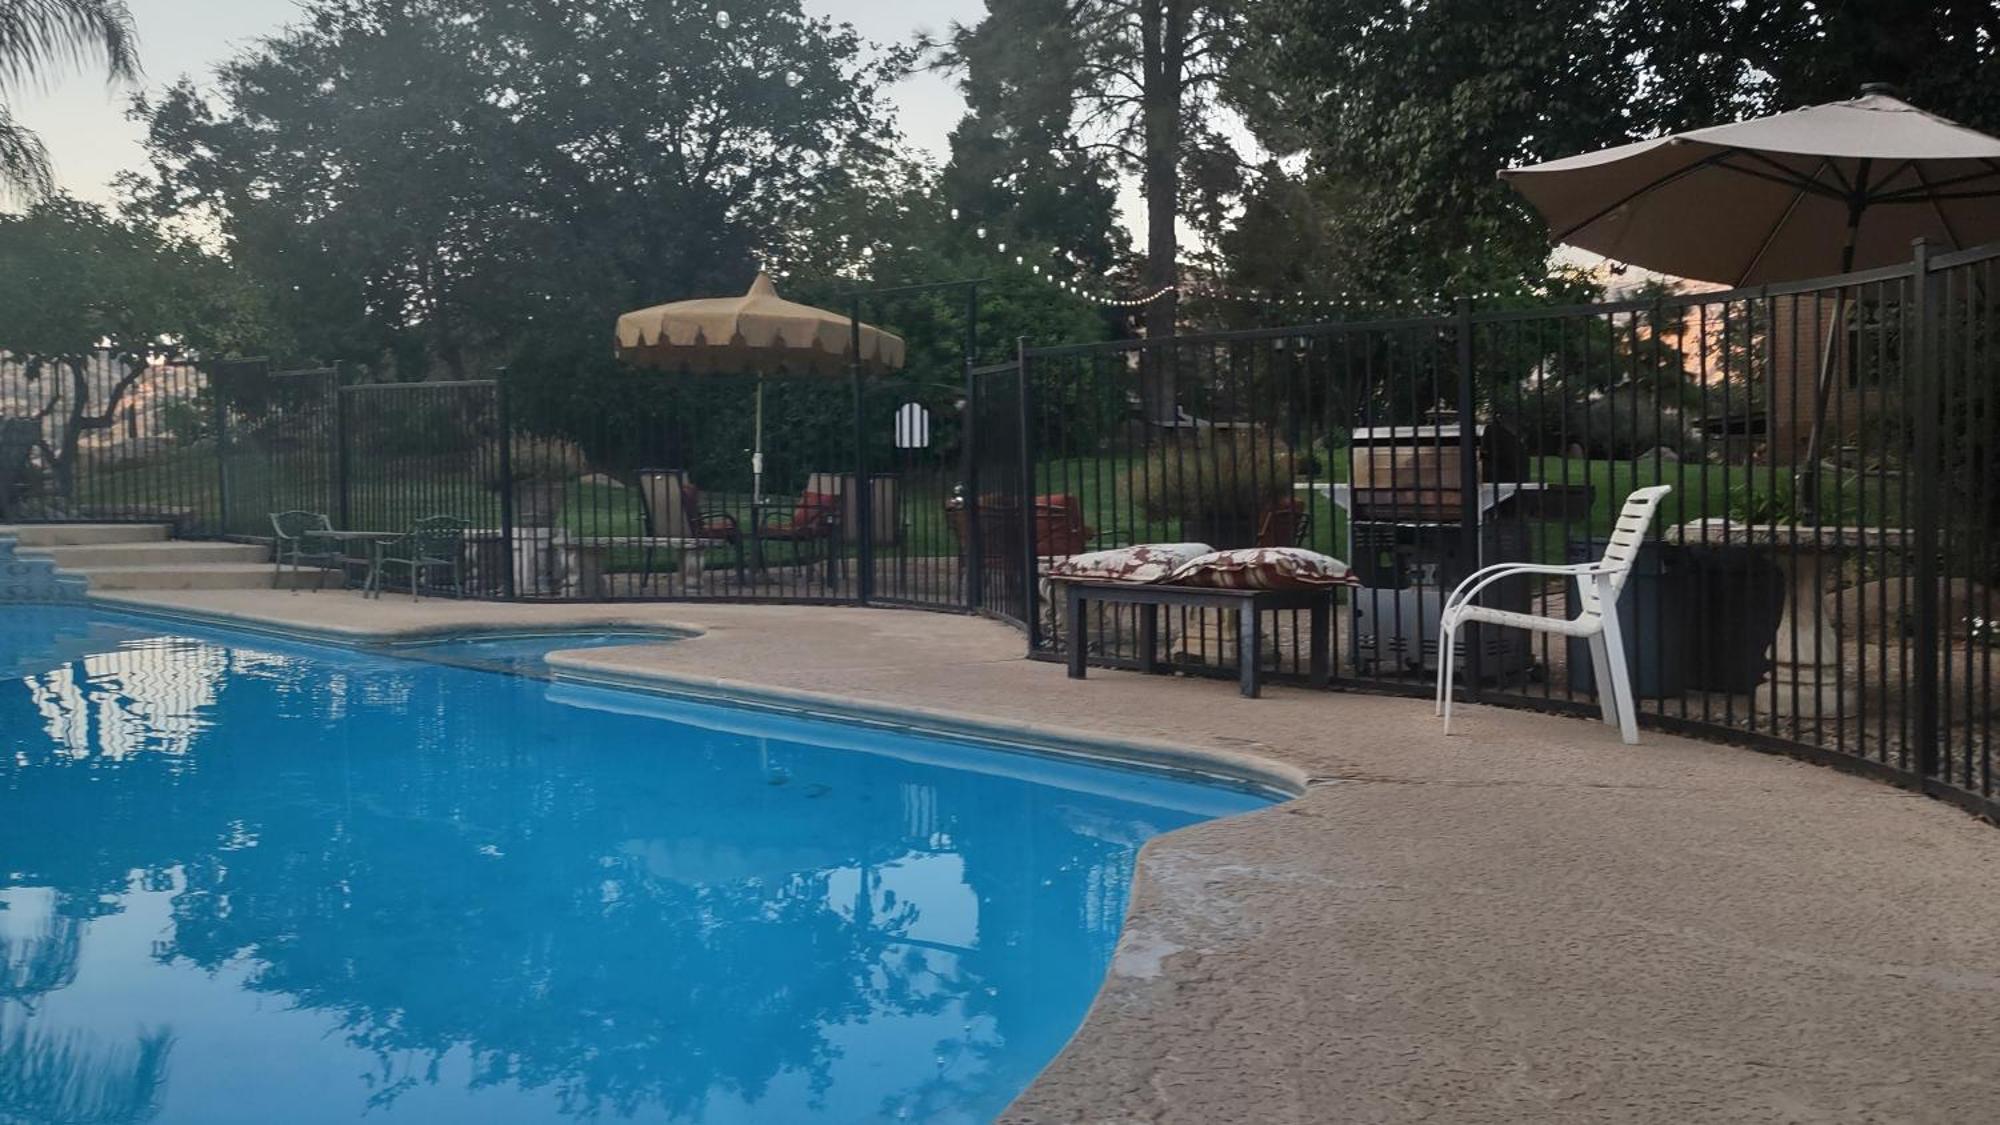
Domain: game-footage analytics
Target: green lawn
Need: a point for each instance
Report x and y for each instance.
(389, 495)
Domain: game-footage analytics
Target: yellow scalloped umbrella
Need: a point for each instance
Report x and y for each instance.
(759, 333)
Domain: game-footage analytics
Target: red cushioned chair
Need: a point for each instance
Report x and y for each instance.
(813, 527)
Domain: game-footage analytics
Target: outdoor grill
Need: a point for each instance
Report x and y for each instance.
(1406, 509)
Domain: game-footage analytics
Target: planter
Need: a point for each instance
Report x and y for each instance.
(1739, 598)
(535, 503)
(1654, 615)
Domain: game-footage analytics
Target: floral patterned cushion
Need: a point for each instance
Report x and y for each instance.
(1263, 568)
(1147, 562)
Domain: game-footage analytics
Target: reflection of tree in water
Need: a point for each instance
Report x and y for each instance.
(35, 964)
(438, 860)
(68, 1079)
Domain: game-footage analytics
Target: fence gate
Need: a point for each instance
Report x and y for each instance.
(993, 516)
(406, 451)
(915, 436)
(274, 442)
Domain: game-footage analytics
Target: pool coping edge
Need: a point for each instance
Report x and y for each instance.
(579, 667)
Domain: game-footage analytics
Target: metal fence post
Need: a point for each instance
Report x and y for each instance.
(864, 548)
(1030, 593)
(341, 462)
(1470, 514)
(221, 456)
(505, 459)
(973, 545)
(1925, 370)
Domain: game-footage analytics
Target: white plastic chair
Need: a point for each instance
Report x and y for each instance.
(1598, 584)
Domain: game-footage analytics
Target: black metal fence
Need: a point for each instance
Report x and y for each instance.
(1820, 579)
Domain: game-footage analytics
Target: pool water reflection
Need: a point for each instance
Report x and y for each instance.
(248, 880)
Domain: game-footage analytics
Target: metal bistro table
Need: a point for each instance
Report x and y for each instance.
(372, 540)
(1250, 605)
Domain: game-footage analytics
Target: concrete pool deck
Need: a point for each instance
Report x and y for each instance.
(1526, 922)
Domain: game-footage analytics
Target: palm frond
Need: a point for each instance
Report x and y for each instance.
(39, 36)
(24, 162)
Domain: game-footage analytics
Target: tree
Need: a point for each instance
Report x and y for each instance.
(90, 301)
(1013, 166)
(1145, 77)
(1413, 108)
(36, 36)
(1942, 55)
(431, 183)
(1405, 111)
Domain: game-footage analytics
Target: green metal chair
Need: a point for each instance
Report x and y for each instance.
(301, 542)
(433, 543)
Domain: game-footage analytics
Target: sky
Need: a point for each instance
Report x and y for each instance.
(82, 121)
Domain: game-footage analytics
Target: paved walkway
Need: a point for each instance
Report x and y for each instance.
(1527, 922)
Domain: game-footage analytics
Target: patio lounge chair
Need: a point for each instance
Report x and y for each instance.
(1598, 585)
(690, 522)
(301, 541)
(814, 526)
(1286, 523)
(1059, 526)
(433, 543)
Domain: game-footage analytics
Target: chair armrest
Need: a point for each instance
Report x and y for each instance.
(1486, 576)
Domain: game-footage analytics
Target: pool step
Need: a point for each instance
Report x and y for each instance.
(39, 535)
(205, 576)
(29, 578)
(140, 556)
(86, 556)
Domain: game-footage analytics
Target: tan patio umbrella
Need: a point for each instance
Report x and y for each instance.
(1823, 190)
(757, 334)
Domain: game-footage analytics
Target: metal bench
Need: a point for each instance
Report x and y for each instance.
(1250, 606)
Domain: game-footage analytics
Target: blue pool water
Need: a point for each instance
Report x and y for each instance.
(519, 654)
(247, 880)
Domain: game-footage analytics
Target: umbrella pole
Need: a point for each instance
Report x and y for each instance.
(757, 455)
(1807, 480)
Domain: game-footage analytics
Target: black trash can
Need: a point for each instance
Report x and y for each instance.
(1655, 615)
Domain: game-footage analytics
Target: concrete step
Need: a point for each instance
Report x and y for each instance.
(201, 576)
(159, 553)
(35, 535)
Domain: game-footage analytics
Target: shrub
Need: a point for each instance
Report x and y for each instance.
(1233, 473)
(532, 459)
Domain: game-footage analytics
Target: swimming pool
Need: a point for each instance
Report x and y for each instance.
(251, 880)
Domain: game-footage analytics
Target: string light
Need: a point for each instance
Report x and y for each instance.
(1298, 298)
